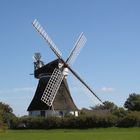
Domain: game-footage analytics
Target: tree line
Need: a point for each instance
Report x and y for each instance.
(105, 115)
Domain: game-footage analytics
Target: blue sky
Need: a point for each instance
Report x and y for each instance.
(109, 61)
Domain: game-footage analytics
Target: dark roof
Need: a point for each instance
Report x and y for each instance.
(63, 99)
(46, 69)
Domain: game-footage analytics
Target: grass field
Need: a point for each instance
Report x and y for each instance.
(64, 134)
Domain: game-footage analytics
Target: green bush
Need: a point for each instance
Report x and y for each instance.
(80, 122)
(130, 120)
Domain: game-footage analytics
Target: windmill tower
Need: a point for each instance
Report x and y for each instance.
(52, 96)
(63, 103)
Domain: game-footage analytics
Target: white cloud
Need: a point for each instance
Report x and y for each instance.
(24, 89)
(16, 90)
(107, 89)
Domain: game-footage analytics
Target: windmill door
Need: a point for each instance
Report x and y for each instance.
(42, 113)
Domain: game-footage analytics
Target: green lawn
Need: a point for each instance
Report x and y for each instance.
(64, 134)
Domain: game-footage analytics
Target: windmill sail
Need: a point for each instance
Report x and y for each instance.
(84, 83)
(52, 87)
(76, 50)
(46, 37)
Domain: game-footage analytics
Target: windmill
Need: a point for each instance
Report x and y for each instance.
(53, 78)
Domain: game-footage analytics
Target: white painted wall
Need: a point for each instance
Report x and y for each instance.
(58, 113)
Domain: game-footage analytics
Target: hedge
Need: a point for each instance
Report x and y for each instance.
(132, 119)
(80, 122)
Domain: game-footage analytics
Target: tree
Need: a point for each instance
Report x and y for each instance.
(105, 106)
(6, 114)
(133, 102)
(5, 108)
(119, 112)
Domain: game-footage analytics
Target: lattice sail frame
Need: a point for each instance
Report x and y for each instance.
(76, 49)
(52, 87)
(46, 37)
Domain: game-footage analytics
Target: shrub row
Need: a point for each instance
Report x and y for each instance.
(65, 122)
(81, 122)
(132, 119)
